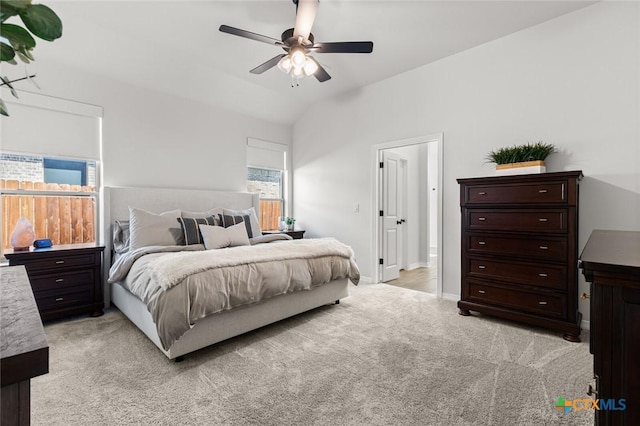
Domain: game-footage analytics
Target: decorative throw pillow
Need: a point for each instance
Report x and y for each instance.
(228, 220)
(217, 237)
(151, 229)
(121, 236)
(251, 212)
(190, 228)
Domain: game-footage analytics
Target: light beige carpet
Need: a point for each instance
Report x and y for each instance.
(384, 356)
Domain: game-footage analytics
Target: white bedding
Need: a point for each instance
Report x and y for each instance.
(182, 285)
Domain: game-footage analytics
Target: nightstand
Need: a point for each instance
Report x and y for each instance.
(298, 234)
(66, 279)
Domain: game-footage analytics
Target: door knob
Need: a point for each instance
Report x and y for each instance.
(399, 222)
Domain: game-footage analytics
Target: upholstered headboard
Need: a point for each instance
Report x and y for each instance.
(115, 203)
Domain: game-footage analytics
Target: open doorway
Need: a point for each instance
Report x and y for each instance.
(407, 222)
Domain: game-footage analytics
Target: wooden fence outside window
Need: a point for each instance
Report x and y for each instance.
(65, 219)
(270, 211)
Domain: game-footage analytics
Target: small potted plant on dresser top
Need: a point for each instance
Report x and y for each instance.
(521, 159)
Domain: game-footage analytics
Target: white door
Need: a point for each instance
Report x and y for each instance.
(391, 220)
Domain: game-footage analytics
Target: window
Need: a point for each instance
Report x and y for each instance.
(266, 175)
(269, 184)
(57, 195)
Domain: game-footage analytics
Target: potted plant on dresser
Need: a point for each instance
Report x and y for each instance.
(521, 159)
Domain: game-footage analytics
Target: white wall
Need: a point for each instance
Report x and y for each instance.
(160, 140)
(572, 81)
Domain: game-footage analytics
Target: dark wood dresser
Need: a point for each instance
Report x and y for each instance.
(24, 352)
(519, 249)
(611, 263)
(66, 279)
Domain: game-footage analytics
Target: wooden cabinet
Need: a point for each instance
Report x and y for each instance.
(519, 249)
(24, 352)
(65, 279)
(611, 263)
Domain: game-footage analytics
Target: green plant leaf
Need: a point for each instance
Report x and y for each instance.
(17, 35)
(3, 108)
(18, 4)
(7, 10)
(6, 52)
(42, 22)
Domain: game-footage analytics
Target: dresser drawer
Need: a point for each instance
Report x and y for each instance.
(549, 305)
(517, 220)
(530, 248)
(535, 274)
(62, 279)
(518, 193)
(61, 261)
(63, 298)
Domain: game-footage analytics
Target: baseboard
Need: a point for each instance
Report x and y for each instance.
(585, 325)
(451, 296)
(365, 280)
(418, 265)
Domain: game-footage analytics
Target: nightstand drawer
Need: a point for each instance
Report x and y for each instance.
(550, 305)
(57, 261)
(518, 193)
(517, 220)
(63, 298)
(64, 279)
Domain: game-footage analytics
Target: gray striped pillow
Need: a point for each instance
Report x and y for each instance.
(227, 221)
(191, 229)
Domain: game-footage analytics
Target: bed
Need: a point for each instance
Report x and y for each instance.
(225, 323)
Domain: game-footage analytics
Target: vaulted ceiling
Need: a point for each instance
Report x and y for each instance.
(175, 46)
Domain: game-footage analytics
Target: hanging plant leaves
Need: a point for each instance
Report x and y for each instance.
(17, 35)
(6, 52)
(42, 22)
(3, 108)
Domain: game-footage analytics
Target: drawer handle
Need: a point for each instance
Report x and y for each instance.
(481, 243)
(543, 219)
(544, 248)
(481, 267)
(542, 191)
(59, 299)
(592, 391)
(481, 291)
(59, 262)
(542, 274)
(542, 303)
(59, 280)
(482, 219)
(482, 193)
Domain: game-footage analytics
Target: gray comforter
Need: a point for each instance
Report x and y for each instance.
(182, 284)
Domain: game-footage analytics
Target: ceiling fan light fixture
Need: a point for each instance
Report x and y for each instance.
(298, 57)
(285, 64)
(310, 66)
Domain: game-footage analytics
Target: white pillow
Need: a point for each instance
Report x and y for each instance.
(217, 237)
(212, 212)
(253, 219)
(151, 229)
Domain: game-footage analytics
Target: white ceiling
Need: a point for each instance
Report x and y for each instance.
(175, 46)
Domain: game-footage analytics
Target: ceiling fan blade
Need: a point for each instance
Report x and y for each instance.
(343, 47)
(267, 65)
(248, 34)
(305, 15)
(321, 74)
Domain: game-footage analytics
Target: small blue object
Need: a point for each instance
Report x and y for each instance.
(44, 243)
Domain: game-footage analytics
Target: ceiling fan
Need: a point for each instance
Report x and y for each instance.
(298, 43)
